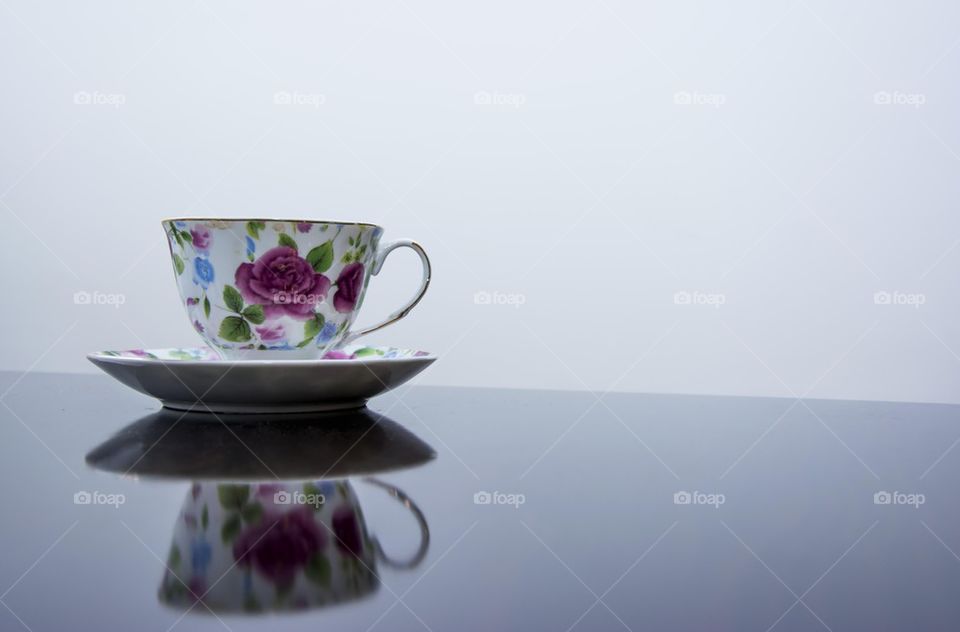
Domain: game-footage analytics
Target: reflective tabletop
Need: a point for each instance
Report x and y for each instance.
(477, 509)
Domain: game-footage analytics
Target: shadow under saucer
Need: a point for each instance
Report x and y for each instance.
(198, 446)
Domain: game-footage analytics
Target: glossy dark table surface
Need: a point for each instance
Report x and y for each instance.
(482, 509)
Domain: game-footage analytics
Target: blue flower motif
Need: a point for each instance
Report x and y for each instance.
(180, 224)
(326, 334)
(251, 247)
(200, 554)
(202, 272)
(327, 489)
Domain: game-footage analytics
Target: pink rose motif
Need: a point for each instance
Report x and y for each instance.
(283, 282)
(347, 530)
(201, 237)
(268, 490)
(338, 355)
(270, 333)
(349, 286)
(198, 326)
(197, 587)
(280, 544)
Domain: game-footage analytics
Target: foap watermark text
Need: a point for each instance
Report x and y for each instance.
(698, 498)
(499, 498)
(99, 498)
(310, 99)
(512, 299)
(911, 299)
(298, 498)
(911, 99)
(711, 99)
(110, 99)
(505, 99)
(114, 299)
(710, 299)
(899, 498)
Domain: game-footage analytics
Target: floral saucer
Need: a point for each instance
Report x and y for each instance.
(196, 379)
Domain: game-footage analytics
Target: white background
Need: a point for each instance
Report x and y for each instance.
(589, 159)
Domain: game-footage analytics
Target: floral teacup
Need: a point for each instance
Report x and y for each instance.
(275, 547)
(279, 289)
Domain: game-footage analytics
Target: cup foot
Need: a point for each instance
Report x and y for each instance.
(239, 355)
(219, 407)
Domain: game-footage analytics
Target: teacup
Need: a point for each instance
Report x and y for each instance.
(272, 289)
(276, 547)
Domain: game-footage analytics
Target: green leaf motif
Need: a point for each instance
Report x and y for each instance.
(173, 560)
(317, 570)
(235, 329)
(178, 264)
(254, 313)
(233, 496)
(250, 604)
(304, 343)
(252, 512)
(287, 240)
(205, 517)
(318, 500)
(206, 306)
(232, 298)
(367, 351)
(321, 257)
(254, 228)
(230, 528)
(313, 326)
(283, 591)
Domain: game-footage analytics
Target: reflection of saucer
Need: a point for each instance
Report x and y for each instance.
(255, 447)
(181, 377)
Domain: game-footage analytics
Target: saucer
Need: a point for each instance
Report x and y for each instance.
(196, 379)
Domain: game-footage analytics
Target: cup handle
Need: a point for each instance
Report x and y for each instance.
(403, 311)
(421, 552)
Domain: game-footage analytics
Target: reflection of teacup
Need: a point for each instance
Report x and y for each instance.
(275, 547)
(285, 290)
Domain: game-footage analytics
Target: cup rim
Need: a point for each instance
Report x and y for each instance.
(335, 222)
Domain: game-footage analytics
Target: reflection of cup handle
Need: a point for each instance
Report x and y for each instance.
(403, 311)
(417, 557)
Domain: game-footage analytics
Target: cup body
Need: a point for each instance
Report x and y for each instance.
(271, 289)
